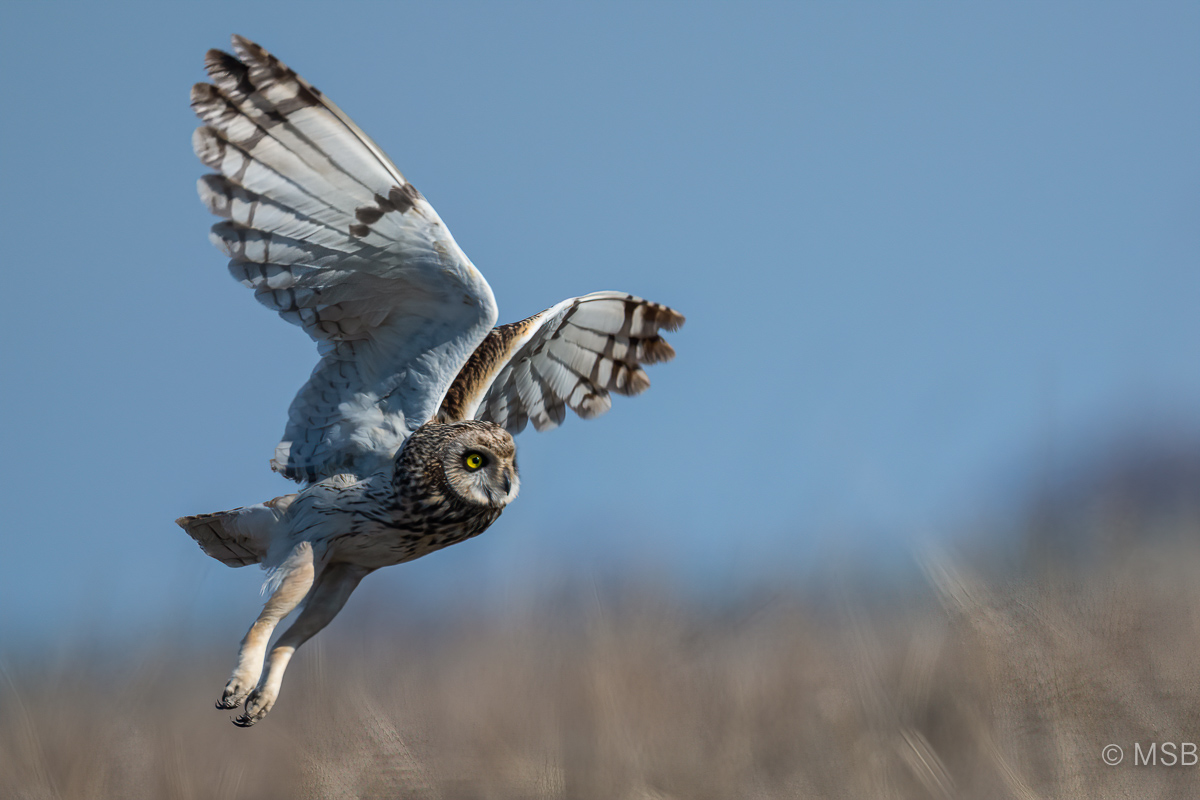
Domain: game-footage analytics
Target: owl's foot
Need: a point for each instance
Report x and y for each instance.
(297, 579)
(235, 691)
(258, 704)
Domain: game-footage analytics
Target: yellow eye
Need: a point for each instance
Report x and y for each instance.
(474, 461)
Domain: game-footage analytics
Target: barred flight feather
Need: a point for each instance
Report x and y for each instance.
(330, 235)
(569, 356)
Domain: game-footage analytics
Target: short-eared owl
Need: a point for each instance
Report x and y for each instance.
(403, 433)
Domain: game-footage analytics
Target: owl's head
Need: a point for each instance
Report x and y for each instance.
(479, 460)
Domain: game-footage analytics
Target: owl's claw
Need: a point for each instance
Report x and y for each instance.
(258, 704)
(235, 692)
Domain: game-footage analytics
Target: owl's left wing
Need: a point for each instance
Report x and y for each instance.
(571, 355)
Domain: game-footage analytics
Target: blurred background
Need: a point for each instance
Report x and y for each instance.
(940, 265)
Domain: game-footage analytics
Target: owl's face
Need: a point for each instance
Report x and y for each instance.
(480, 462)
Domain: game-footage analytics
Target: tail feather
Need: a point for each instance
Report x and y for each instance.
(240, 536)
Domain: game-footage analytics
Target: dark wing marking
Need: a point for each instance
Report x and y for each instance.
(329, 234)
(569, 356)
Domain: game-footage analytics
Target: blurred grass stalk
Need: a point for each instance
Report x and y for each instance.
(970, 684)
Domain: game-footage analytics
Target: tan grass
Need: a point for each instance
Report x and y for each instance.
(963, 687)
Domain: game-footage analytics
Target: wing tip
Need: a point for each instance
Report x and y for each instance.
(669, 319)
(215, 193)
(636, 382)
(202, 93)
(247, 49)
(219, 63)
(655, 350)
(595, 402)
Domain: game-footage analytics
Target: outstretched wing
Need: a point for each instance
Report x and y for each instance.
(568, 356)
(328, 233)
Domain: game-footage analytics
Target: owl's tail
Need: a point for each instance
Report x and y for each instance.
(239, 536)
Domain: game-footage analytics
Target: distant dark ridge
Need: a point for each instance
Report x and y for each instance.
(1132, 490)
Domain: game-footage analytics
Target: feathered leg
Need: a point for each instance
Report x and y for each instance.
(329, 595)
(297, 571)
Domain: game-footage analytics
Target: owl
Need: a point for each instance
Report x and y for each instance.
(402, 436)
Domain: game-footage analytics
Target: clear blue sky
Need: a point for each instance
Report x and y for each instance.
(919, 246)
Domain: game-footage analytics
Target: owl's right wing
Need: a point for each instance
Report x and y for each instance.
(325, 229)
(571, 355)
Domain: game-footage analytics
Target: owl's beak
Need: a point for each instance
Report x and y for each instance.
(507, 482)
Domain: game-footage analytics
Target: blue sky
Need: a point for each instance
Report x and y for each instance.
(920, 247)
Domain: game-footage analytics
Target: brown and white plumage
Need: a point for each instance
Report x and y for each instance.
(329, 234)
(569, 356)
(402, 433)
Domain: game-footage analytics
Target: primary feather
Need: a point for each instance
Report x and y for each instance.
(329, 234)
(571, 355)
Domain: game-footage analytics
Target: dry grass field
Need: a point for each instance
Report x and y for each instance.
(964, 685)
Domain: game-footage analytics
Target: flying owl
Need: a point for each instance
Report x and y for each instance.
(402, 436)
